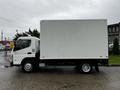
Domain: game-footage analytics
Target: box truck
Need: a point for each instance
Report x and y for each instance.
(81, 43)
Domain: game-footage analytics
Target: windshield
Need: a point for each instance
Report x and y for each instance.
(21, 44)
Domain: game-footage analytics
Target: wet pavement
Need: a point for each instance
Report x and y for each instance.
(59, 78)
(55, 78)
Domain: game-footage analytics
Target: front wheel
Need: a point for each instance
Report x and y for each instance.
(27, 66)
(85, 67)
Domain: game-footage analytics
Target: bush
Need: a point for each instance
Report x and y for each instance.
(115, 49)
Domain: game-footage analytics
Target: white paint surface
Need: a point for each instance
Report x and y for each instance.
(74, 39)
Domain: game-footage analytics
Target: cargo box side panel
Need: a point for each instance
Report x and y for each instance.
(74, 39)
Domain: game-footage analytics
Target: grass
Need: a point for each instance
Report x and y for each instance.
(114, 60)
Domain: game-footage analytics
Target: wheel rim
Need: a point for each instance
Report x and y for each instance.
(28, 67)
(86, 68)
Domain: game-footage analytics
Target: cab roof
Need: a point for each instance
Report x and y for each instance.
(28, 37)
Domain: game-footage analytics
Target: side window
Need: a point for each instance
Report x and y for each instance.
(21, 44)
(25, 43)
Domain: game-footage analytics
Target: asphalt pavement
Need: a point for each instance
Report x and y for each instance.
(58, 78)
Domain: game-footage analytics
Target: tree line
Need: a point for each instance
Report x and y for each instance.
(34, 33)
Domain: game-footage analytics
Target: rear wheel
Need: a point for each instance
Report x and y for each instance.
(85, 67)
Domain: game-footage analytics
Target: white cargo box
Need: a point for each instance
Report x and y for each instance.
(73, 39)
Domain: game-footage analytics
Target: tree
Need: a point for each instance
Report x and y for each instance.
(115, 49)
(34, 33)
(30, 32)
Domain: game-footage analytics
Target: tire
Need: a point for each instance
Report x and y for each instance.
(27, 66)
(86, 67)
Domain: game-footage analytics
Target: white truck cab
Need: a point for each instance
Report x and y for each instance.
(25, 47)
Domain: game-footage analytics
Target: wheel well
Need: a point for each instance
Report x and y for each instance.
(26, 59)
(93, 63)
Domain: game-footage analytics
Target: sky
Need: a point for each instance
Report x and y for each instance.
(24, 14)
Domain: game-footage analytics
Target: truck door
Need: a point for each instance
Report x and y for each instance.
(22, 49)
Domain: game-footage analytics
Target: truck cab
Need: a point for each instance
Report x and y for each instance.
(26, 48)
